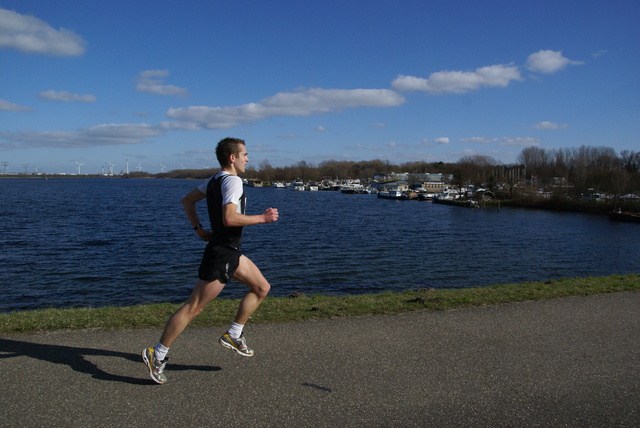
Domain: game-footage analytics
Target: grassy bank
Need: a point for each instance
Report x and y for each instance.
(286, 309)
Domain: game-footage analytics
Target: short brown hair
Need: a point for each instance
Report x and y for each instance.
(227, 147)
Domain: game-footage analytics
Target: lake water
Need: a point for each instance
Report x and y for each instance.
(90, 242)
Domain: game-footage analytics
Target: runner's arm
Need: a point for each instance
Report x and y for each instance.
(189, 205)
(232, 218)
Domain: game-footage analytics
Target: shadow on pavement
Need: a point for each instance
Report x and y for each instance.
(76, 359)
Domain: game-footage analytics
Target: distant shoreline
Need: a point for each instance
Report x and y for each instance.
(552, 204)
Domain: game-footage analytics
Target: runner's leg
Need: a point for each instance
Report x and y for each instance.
(249, 274)
(203, 293)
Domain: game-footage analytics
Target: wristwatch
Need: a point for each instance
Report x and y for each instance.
(199, 226)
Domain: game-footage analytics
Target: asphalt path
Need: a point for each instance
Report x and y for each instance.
(571, 362)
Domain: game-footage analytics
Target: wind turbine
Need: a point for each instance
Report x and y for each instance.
(162, 168)
(111, 165)
(79, 165)
(139, 167)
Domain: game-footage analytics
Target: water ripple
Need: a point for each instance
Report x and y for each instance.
(104, 242)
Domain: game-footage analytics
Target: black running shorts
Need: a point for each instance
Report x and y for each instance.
(218, 263)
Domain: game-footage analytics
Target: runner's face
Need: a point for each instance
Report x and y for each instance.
(241, 160)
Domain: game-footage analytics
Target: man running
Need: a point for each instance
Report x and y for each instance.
(222, 260)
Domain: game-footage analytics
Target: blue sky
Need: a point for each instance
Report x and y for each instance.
(159, 83)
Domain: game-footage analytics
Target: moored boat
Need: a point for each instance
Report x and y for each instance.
(297, 185)
(390, 194)
(620, 215)
(467, 203)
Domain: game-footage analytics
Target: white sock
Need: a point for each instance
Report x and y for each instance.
(160, 351)
(235, 331)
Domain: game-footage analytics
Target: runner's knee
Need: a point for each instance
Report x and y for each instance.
(193, 308)
(194, 311)
(262, 289)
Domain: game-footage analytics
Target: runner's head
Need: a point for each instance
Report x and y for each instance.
(227, 147)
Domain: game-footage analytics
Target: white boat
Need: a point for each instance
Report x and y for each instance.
(447, 194)
(297, 185)
(278, 185)
(391, 194)
(352, 188)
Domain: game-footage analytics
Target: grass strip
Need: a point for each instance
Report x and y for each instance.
(287, 309)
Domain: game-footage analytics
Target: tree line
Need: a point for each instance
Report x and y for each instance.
(331, 169)
(569, 170)
(585, 167)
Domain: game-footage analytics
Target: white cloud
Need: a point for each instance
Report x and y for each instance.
(479, 140)
(519, 141)
(300, 103)
(547, 61)
(372, 148)
(152, 82)
(98, 135)
(7, 106)
(458, 82)
(179, 126)
(498, 75)
(550, 126)
(319, 129)
(65, 96)
(32, 35)
(425, 142)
